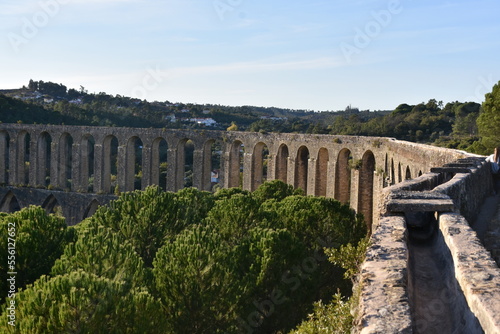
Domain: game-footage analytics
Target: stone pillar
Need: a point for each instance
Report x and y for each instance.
(206, 177)
(271, 170)
(55, 163)
(148, 167)
(330, 183)
(354, 189)
(101, 168)
(125, 169)
(78, 163)
(37, 167)
(180, 168)
(14, 158)
(312, 165)
(247, 171)
(291, 171)
(198, 169)
(172, 170)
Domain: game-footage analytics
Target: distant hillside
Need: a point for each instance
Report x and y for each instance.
(452, 125)
(70, 106)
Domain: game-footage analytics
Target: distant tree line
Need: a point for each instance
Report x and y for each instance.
(454, 125)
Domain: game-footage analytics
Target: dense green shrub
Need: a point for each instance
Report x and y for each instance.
(79, 302)
(188, 262)
(32, 241)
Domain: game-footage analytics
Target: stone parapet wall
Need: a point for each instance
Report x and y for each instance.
(384, 302)
(387, 283)
(476, 272)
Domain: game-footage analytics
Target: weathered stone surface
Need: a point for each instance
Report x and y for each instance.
(476, 272)
(384, 306)
(455, 170)
(353, 169)
(419, 205)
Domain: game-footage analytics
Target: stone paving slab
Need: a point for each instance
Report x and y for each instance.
(421, 205)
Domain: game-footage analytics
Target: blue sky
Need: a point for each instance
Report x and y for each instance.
(317, 54)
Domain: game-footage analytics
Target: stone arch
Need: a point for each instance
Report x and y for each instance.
(23, 158)
(9, 203)
(51, 205)
(302, 168)
(159, 162)
(343, 176)
(4, 157)
(185, 160)
(210, 164)
(322, 172)
(236, 152)
(386, 178)
(393, 175)
(65, 161)
(400, 173)
(44, 157)
(133, 164)
(408, 173)
(91, 209)
(419, 173)
(281, 171)
(365, 188)
(259, 165)
(86, 163)
(110, 163)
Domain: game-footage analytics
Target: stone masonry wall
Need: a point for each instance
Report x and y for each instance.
(473, 294)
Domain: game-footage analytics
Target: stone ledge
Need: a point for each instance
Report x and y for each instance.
(384, 306)
(456, 170)
(420, 205)
(475, 270)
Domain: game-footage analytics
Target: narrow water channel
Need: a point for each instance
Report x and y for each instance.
(437, 302)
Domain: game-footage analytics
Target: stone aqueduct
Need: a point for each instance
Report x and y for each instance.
(396, 185)
(79, 162)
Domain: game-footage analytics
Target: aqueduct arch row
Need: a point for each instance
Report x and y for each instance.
(101, 160)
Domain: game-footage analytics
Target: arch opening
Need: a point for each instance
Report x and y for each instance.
(110, 167)
(343, 176)
(260, 158)
(393, 175)
(366, 183)
(65, 161)
(215, 161)
(322, 172)
(91, 209)
(281, 172)
(9, 203)
(187, 161)
(159, 163)
(44, 154)
(87, 161)
(302, 168)
(408, 173)
(133, 172)
(23, 158)
(52, 206)
(236, 155)
(4, 157)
